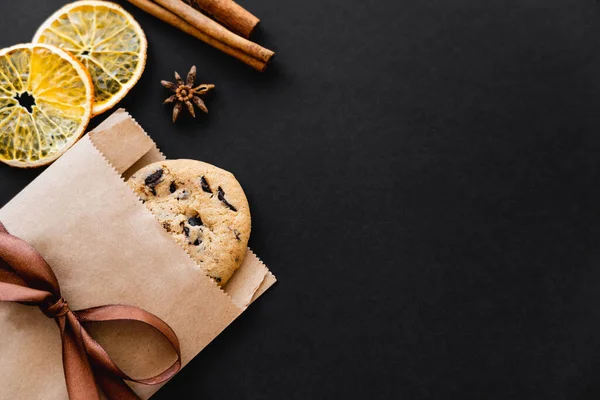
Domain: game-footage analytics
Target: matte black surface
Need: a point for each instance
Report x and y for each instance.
(423, 177)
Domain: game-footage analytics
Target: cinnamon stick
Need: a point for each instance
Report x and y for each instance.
(228, 13)
(192, 22)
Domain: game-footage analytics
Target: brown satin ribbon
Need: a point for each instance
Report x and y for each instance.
(25, 277)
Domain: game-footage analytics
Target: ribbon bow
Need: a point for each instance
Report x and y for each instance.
(25, 277)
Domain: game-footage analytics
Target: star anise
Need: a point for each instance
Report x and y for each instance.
(186, 93)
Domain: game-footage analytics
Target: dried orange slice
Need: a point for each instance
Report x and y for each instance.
(46, 100)
(106, 39)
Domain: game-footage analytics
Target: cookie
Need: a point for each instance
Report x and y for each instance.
(203, 207)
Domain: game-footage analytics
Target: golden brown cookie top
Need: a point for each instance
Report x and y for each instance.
(203, 207)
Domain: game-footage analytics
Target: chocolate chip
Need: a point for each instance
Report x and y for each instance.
(197, 242)
(221, 196)
(237, 235)
(195, 221)
(153, 191)
(205, 185)
(173, 187)
(186, 230)
(218, 279)
(167, 226)
(154, 178)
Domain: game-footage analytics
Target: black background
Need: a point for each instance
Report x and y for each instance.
(423, 177)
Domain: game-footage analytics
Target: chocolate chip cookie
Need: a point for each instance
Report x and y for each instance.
(203, 207)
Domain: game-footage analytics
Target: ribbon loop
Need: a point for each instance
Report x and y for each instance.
(25, 277)
(56, 310)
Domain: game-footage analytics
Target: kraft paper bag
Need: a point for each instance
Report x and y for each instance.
(105, 247)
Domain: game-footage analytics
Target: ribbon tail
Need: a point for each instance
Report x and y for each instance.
(78, 373)
(114, 387)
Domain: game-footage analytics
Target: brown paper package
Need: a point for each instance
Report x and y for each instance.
(106, 248)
